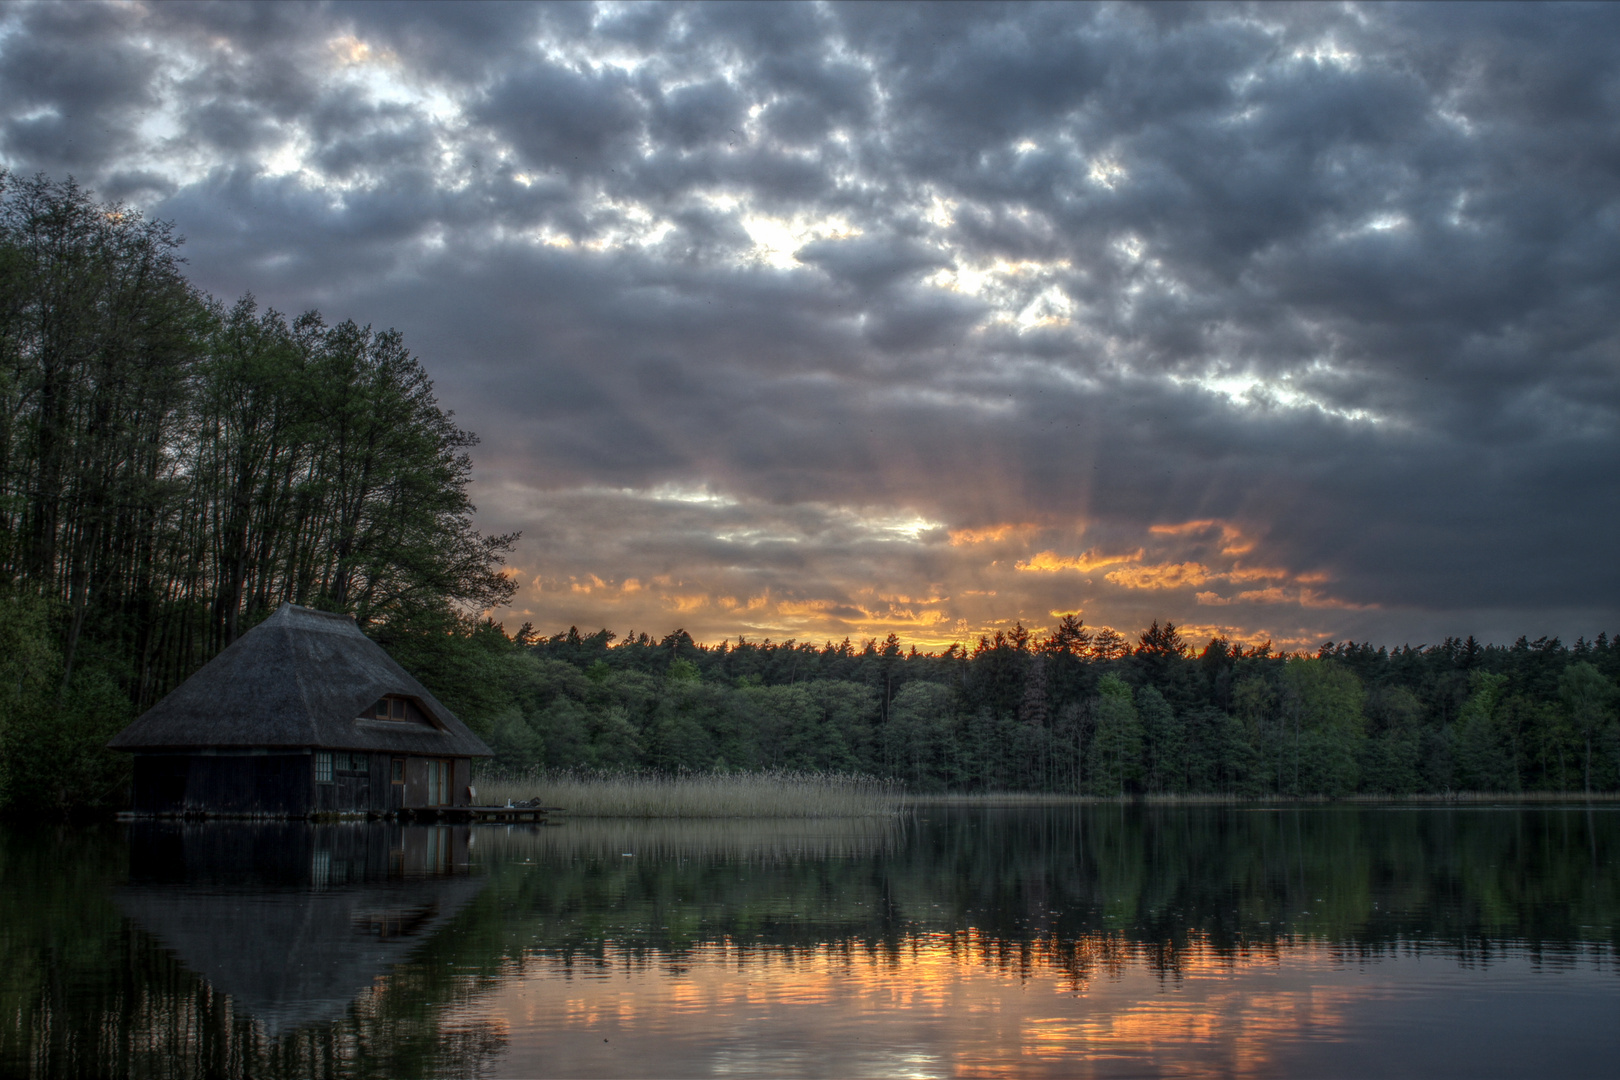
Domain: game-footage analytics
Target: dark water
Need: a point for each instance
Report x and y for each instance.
(1098, 940)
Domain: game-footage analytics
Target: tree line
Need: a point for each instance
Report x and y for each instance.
(1070, 711)
(172, 468)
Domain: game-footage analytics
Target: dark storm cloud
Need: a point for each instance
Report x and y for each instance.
(1337, 280)
(74, 84)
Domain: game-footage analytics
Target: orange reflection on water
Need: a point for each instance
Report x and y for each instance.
(938, 1005)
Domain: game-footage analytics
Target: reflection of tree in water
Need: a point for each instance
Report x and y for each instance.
(1075, 892)
(277, 949)
(1075, 887)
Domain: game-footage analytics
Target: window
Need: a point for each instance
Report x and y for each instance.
(388, 708)
(323, 766)
(398, 774)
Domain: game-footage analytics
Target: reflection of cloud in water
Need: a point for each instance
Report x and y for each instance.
(721, 839)
(962, 1004)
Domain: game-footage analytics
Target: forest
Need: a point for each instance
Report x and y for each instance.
(173, 467)
(1069, 712)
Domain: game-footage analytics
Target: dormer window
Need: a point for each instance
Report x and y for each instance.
(400, 709)
(389, 708)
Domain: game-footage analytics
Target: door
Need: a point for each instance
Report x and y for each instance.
(439, 774)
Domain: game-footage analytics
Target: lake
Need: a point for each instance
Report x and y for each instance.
(1091, 940)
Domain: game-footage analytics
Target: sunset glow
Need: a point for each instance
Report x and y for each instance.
(761, 315)
(685, 538)
(953, 1005)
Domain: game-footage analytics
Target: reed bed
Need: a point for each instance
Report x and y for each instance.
(762, 841)
(994, 799)
(1492, 797)
(990, 799)
(770, 794)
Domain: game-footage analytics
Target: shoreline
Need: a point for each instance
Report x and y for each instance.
(889, 804)
(1012, 799)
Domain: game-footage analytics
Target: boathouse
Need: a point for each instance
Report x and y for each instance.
(301, 715)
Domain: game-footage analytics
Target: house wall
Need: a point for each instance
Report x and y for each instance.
(463, 777)
(416, 781)
(273, 785)
(283, 785)
(351, 789)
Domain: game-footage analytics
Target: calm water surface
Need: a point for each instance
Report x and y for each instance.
(1086, 941)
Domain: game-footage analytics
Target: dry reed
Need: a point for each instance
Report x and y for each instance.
(729, 839)
(770, 794)
(990, 799)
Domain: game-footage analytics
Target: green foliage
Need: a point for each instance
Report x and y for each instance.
(1589, 697)
(59, 755)
(1163, 742)
(1322, 702)
(171, 470)
(1484, 748)
(1390, 755)
(1116, 749)
(30, 670)
(683, 671)
(1047, 716)
(918, 735)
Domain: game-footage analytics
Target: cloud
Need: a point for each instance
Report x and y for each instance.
(1161, 576)
(1233, 542)
(992, 534)
(1314, 302)
(1048, 562)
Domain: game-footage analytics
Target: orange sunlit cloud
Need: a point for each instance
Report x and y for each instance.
(1247, 635)
(1277, 594)
(932, 588)
(803, 608)
(1233, 539)
(1161, 576)
(989, 534)
(1272, 595)
(1312, 599)
(1256, 573)
(1050, 562)
(1050, 1011)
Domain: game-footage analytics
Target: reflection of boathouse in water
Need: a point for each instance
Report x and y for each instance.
(294, 921)
(302, 714)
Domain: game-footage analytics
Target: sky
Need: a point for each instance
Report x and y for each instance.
(808, 321)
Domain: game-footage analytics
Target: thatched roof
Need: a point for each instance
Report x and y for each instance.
(299, 679)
